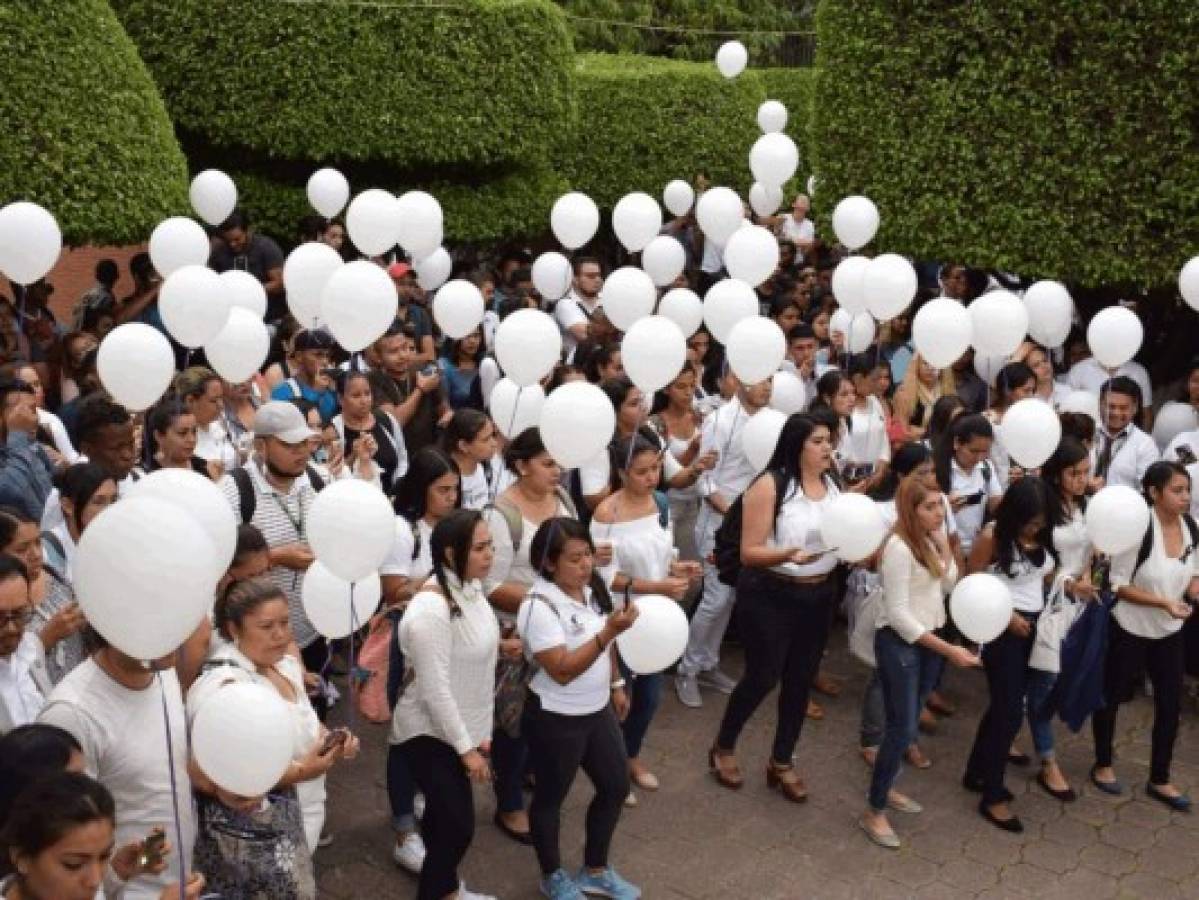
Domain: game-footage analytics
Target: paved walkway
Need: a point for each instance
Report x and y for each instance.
(694, 839)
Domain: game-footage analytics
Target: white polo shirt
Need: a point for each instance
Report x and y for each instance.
(1133, 452)
(573, 310)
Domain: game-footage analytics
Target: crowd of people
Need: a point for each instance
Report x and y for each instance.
(493, 655)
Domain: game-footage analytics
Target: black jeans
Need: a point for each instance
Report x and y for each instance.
(784, 628)
(561, 745)
(1127, 657)
(449, 821)
(1005, 661)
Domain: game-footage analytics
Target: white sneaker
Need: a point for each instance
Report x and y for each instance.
(409, 853)
(631, 800)
(717, 681)
(464, 894)
(687, 688)
(418, 806)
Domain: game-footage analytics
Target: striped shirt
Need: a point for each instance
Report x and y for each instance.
(281, 519)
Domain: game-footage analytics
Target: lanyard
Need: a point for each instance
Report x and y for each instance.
(297, 522)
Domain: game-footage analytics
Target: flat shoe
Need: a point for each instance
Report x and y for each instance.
(521, 837)
(903, 804)
(889, 840)
(815, 711)
(1012, 825)
(1115, 788)
(1066, 795)
(1181, 803)
(647, 781)
(915, 757)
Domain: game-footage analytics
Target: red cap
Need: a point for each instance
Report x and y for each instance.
(398, 269)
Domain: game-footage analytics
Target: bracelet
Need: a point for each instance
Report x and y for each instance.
(617, 684)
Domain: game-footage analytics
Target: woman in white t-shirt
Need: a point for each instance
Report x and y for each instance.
(470, 438)
(866, 449)
(576, 697)
(1015, 382)
(1155, 594)
(966, 475)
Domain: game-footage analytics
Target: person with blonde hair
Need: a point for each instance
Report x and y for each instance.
(922, 386)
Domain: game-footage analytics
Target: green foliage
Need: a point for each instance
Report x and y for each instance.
(478, 82)
(644, 122)
(1053, 139)
(86, 134)
(793, 88)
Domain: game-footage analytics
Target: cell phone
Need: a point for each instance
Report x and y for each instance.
(152, 849)
(1186, 455)
(334, 738)
(975, 499)
(428, 370)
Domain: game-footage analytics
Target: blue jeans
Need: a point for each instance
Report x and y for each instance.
(645, 696)
(1037, 690)
(907, 674)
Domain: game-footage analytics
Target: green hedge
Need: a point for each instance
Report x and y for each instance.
(793, 88)
(1053, 139)
(477, 82)
(646, 121)
(85, 133)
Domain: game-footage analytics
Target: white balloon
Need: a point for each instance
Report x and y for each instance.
(653, 353)
(636, 220)
(772, 116)
(765, 200)
(30, 242)
(760, 436)
(683, 307)
(731, 59)
(1172, 420)
(1188, 282)
(1081, 402)
(136, 365)
(213, 196)
(773, 159)
(989, 367)
(941, 331)
(678, 197)
(145, 574)
(194, 305)
(1030, 431)
(889, 286)
(515, 408)
(1117, 519)
(859, 330)
(849, 283)
(241, 738)
(577, 422)
(1115, 336)
(1050, 313)
(326, 598)
(852, 527)
(434, 269)
(373, 221)
(551, 275)
(528, 345)
(178, 242)
(328, 192)
(240, 348)
(981, 607)
(574, 220)
(628, 295)
(421, 223)
(658, 636)
(728, 302)
(855, 221)
(359, 303)
(198, 497)
(755, 349)
(1000, 323)
(351, 528)
(244, 291)
(306, 271)
(719, 213)
(458, 308)
(663, 259)
(751, 255)
(787, 393)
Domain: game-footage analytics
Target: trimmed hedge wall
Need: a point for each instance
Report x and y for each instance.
(86, 134)
(1056, 140)
(480, 82)
(645, 121)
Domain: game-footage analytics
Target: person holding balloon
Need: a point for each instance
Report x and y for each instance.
(918, 569)
(1014, 382)
(966, 476)
(1156, 582)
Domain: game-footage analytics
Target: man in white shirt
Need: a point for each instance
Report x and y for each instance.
(719, 487)
(797, 227)
(24, 681)
(1088, 375)
(1122, 452)
(575, 311)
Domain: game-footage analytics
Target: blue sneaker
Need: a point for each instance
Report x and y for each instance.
(606, 884)
(560, 886)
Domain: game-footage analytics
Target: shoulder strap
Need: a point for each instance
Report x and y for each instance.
(663, 503)
(1192, 527)
(294, 384)
(247, 501)
(513, 518)
(415, 537)
(314, 477)
(566, 500)
(49, 537)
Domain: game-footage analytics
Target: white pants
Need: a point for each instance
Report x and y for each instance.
(715, 606)
(311, 795)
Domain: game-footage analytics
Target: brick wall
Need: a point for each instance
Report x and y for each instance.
(75, 273)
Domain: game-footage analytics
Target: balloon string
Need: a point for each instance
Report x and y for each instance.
(706, 512)
(353, 661)
(493, 484)
(641, 419)
(166, 719)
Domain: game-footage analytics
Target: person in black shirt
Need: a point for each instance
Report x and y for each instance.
(240, 247)
(376, 430)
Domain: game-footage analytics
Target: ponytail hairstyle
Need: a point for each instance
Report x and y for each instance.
(240, 599)
(449, 547)
(964, 429)
(1160, 474)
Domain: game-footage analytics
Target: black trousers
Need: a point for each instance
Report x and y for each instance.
(1005, 661)
(784, 628)
(448, 825)
(1127, 657)
(559, 746)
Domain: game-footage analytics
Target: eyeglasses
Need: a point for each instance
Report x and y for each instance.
(20, 619)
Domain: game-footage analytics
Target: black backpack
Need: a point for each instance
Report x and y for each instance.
(247, 500)
(726, 551)
(1147, 542)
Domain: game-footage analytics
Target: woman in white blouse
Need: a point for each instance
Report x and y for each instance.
(1156, 587)
(918, 570)
(442, 722)
(867, 447)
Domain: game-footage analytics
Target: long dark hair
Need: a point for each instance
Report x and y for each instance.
(79, 483)
(26, 753)
(1009, 378)
(11, 519)
(49, 809)
(449, 546)
(550, 540)
(1023, 502)
(906, 459)
(1069, 453)
(426, 466)
(464, 425)
(622, 451)
(797, 430)
(1158, 475)
(965, 429)
(525, 446)
(942, 417)
(826, 388)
